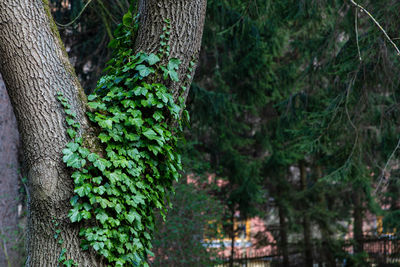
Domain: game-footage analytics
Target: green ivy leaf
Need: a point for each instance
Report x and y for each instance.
(143, 70)
(102, 217)
(128, 103)
(75, 215)
(131, 216)
(115, 177)
(69, 263)
(78, 177)
(127, 19)
(97, 105)
(86, 215)
(173, 66)
(72, 159)
(174, 76)
(99, 190)
(83, 151)
(139, 90)
(92, 97)
(69, 121)
(70, 113)
(150, 134)
(158, 116)
(74, 200)
(118, 208)
(71, 133)
(92, 157)
(106, 124)
(162, 96)
(97, 180)
(133, 153)
(103, 202)
(73, 146)
(152, 59)
(138, 122)
(83, 190)
(87, 206)
(175, 109)
(79, 140)
(98, 245)
(132, 137)
(101, 164)
(104, 138)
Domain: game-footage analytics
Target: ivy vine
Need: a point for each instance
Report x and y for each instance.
(118, 188)
(61, 258)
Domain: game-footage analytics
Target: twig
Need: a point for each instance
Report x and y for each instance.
(77, 17)
(356, 28)
(237, 22)
(382, 176)
(345, 165)
(351, 84)
(377, 24)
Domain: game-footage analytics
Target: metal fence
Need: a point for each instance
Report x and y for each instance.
(266, 261)
(275, 260)
(383, 251)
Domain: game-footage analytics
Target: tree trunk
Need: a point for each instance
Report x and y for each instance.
(9, 195)
(327, 254)
(308, 259)
(232, 231)
(35, 66)
(187, 21)
(358, 221)
(283, 234)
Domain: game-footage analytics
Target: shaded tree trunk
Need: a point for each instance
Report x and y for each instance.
(358, 221)
(35, 66)
(11, 253)
(283, 234)
(232, 231)
(328, 257)
(306, 220)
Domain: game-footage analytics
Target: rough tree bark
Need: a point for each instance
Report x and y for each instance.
(187, 21)
(9, 168)
(35, 66)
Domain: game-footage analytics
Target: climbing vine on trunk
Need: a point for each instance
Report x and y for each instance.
(120, 183)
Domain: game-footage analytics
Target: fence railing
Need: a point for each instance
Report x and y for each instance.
(383, 251)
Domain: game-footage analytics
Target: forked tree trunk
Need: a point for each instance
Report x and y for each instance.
(10, 251)
(35, 66)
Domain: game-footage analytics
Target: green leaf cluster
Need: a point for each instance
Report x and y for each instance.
(117, 191)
